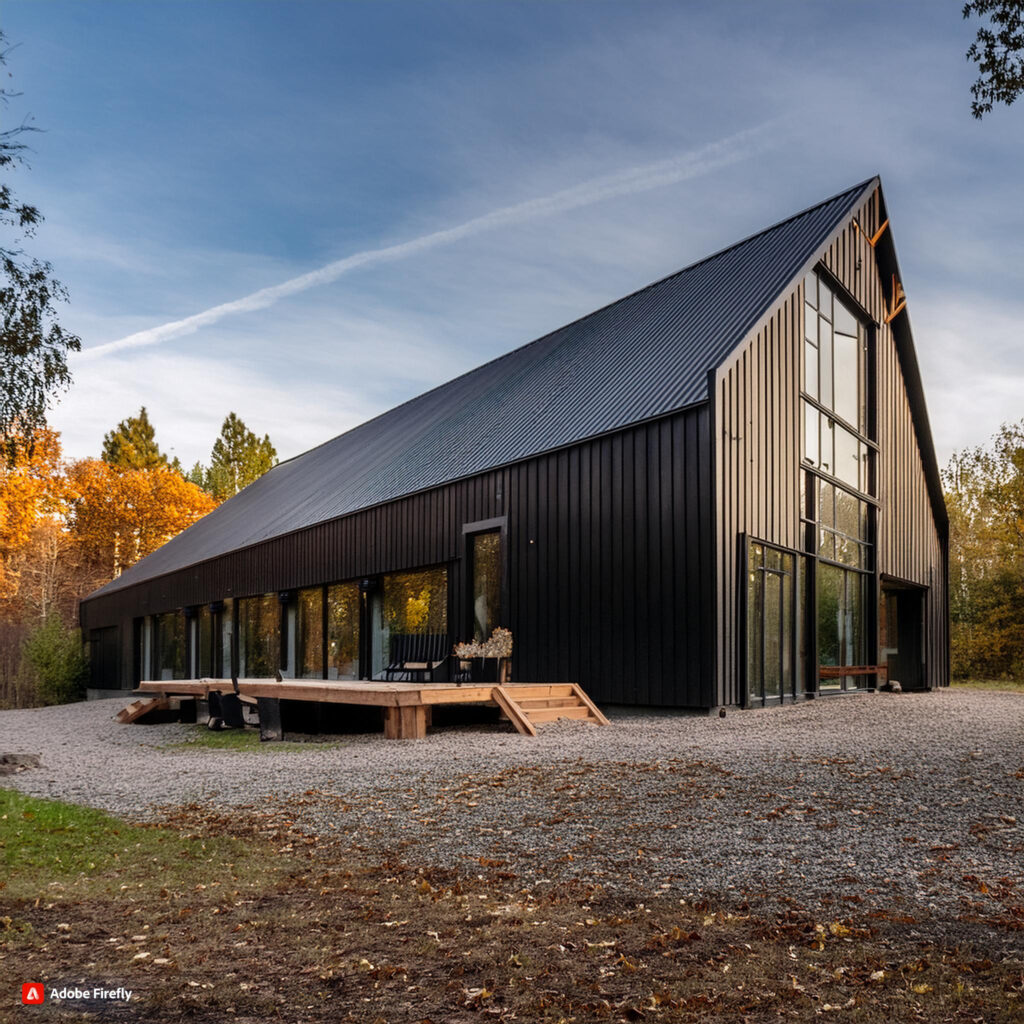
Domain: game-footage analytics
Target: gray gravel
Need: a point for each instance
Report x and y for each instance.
(911, 802)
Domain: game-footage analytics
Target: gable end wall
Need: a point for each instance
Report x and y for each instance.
(757, 456)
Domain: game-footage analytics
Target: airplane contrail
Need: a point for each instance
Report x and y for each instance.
(675, 169)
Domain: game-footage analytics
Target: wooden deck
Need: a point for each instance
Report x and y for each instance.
(406, 705)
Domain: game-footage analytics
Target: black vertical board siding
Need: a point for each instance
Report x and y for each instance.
(584, 567)
(663, 547)
(687, 500)
(571, 559)
(610, 617)
(613, 593)
(643, 580)
(620, 599)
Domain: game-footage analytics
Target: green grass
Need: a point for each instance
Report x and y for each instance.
(1013, 685)
(240, 739)
(46, 844)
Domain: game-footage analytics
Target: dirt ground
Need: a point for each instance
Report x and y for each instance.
(286, 927)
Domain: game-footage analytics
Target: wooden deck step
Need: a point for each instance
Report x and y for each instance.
(536, 703)
(528, 706)
(553, 714)
(140, 708)
(529, 690)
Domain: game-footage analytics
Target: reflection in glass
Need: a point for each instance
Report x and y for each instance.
(847, 456)
(772, 628)
(309, 633)
(825, 395)
(847, 378)
(225, 668)
(772, 634)
(811, 370)
(170, 645)
(412, 604)
(486, 562)
(343, 631)
(204, 667)
(848, 517)
(811, 447)
(259, 637)
(842, 597)
(811, 325)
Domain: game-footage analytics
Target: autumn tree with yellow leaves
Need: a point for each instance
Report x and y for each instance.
(985, 499)
(67, 528)
(118, 516)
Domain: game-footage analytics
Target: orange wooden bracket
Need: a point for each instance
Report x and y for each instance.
(898, 301)
(872, 239)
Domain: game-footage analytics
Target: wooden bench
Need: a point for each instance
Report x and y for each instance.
(838, 671)
(416, 657)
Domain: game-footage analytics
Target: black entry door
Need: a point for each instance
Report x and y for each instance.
(901, 635)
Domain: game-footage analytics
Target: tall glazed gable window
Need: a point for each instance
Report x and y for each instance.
(838, 481)
(835, 388)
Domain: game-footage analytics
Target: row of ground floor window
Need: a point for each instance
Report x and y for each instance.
(337, 631)
(805, 620)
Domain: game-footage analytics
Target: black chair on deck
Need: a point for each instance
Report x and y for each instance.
(417, 657)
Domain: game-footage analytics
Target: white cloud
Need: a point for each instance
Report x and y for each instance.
(692, 164)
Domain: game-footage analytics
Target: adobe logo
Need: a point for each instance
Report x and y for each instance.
(32, 993)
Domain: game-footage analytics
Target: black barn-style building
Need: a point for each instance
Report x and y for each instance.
(720, 490)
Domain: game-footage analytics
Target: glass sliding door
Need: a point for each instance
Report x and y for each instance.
(842, 637)
(774, 617)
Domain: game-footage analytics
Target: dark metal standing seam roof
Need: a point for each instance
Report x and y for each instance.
(643, 356)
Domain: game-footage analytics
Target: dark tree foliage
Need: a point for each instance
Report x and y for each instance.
(998, 51)
(238, 458)
(33, 345)
(132, 444)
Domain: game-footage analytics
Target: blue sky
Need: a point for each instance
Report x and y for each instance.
(196, 153)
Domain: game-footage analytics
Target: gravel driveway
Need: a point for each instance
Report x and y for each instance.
(913, 802)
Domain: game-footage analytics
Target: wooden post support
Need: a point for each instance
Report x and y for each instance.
(270, 718)
(228, 708)
(408, 722)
